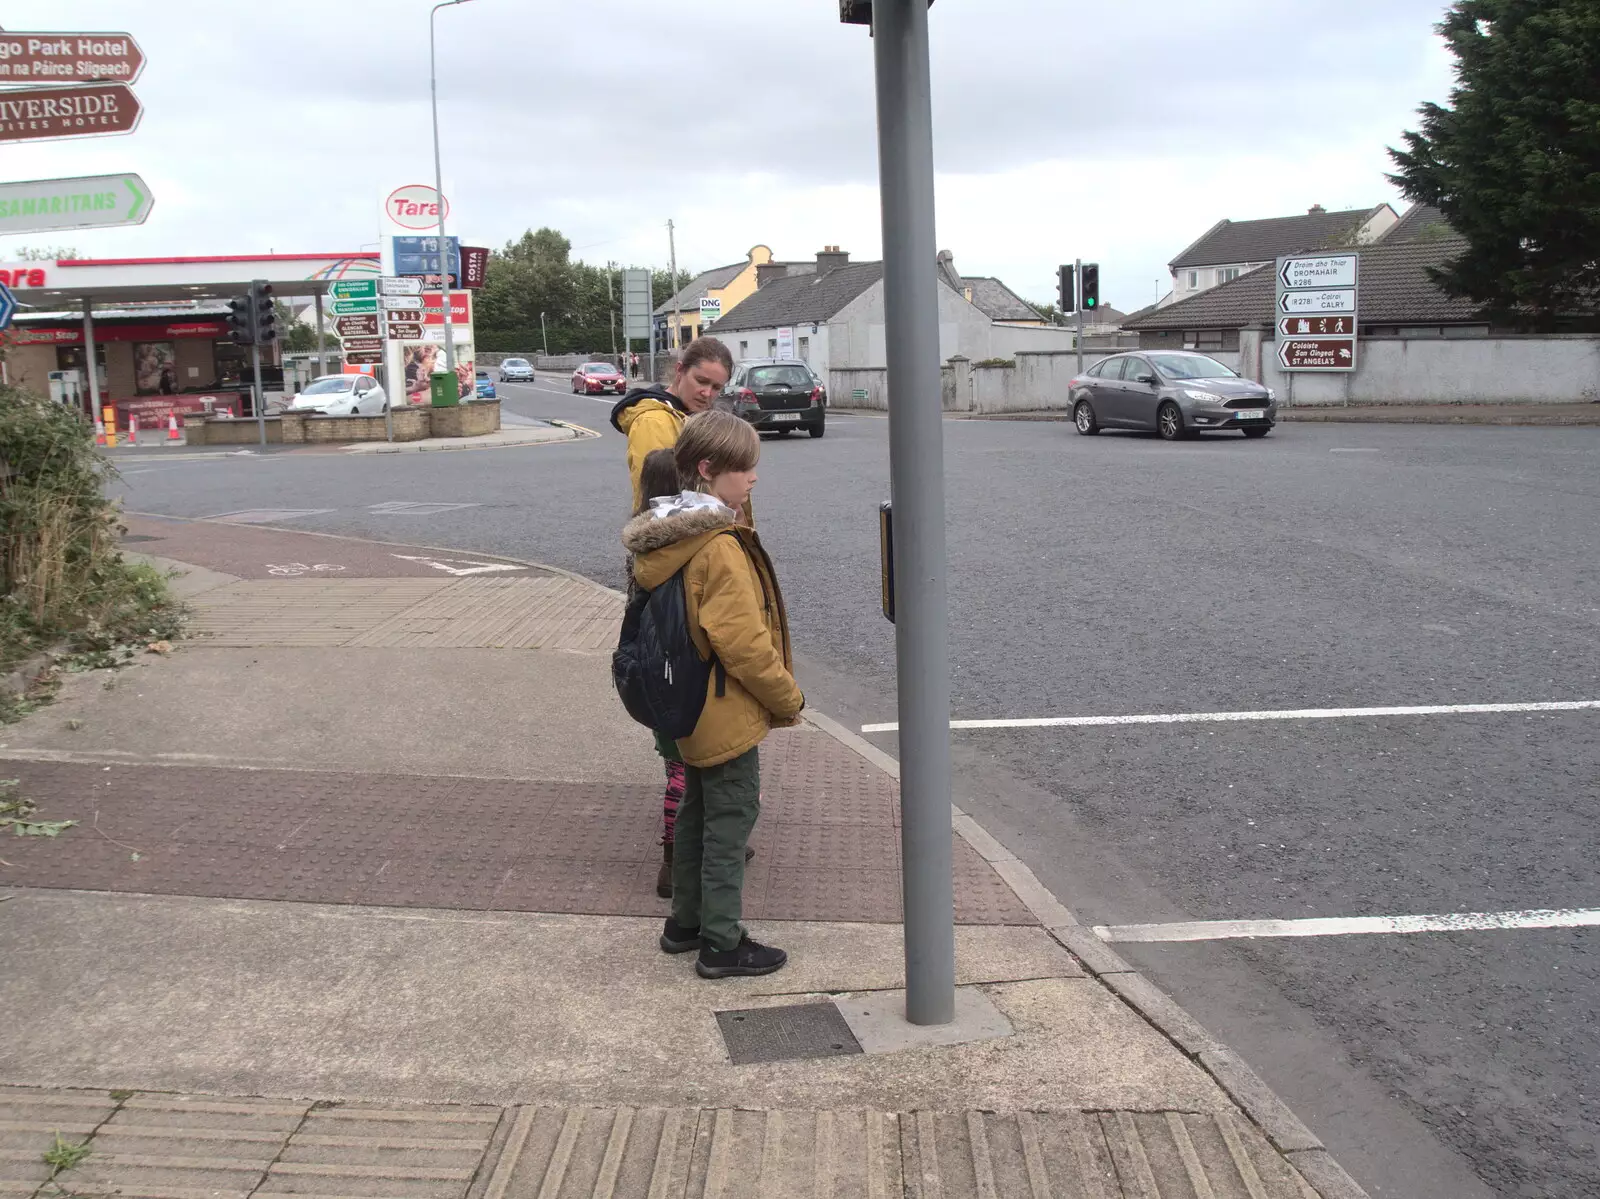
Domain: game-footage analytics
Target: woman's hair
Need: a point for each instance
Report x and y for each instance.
(721, 439)
(658, 476)
(706, 349)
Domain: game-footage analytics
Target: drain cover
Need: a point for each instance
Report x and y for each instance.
(781, 1034)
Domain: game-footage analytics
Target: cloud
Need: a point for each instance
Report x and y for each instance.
(1112, 131)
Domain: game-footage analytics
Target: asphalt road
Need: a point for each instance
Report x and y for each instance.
(1324, 566)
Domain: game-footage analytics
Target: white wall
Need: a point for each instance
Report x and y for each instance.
(858, 333)
(1487, 370)
(757, 340)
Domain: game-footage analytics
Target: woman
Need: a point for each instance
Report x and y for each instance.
(735, 613)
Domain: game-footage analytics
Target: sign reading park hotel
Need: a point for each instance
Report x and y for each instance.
(77, 110)
(70, 57)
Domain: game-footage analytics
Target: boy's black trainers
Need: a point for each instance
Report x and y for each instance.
(749, 958)
(677, 939)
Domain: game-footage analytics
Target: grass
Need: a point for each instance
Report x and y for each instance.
(64, 1155)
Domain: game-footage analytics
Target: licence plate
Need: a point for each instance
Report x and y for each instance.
(786, 416)
(1252, 414)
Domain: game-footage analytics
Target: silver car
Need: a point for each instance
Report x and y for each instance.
(1174, 392)
(516, 370)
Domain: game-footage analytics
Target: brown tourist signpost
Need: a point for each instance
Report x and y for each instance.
(78, 110)
(356, 326)
(69, 57)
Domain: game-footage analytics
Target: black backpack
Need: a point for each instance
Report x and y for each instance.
(656, 668)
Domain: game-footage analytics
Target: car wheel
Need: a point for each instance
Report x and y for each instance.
(818, 430)
(1083, 417)
(1261, 432)
(1169, 422)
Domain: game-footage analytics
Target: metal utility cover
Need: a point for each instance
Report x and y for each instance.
(784, 1034)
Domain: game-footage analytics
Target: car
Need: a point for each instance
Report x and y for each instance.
(485, 388)
(1177, 393)
(341, 395)
(597, 378)
(516, 370)
(778, 395)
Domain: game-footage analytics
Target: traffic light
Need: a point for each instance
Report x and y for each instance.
(859, 12)
(266, 315)
(1066, 289)
(1091, 286)
(239, 321)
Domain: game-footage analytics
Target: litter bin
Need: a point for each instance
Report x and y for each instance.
(445, 388)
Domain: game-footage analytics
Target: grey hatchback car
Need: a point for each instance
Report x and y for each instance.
(1174, 392)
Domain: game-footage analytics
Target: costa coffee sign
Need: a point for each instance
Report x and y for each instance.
(415, 206)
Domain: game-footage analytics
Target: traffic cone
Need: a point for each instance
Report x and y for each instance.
(172, 426)
(133, 428)
(99, 431)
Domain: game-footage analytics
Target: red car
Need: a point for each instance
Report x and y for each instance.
(597, 378)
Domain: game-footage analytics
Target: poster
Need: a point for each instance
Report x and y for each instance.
(154, 371)
(419, 359)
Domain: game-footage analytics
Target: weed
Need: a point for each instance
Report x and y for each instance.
(16, 812)
(123, 1096)
(64, 1155)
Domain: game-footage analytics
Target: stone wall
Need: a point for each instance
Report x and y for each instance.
(474, 419)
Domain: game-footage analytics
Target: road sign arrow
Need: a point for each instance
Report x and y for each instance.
(86, 202)
(75, 110)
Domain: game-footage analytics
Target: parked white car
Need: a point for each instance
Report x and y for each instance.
(342, 395)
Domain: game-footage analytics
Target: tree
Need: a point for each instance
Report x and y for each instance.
(299, 337)
(1513, 161)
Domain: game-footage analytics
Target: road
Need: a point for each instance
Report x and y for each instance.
(1324, 567)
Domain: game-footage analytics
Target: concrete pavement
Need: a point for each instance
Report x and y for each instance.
(400, 886)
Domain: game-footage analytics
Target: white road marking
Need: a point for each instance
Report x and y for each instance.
(1054, 722)
(462, 566)
(1344, 926)
(1354, 449)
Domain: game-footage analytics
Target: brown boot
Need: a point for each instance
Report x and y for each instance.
(664, 875)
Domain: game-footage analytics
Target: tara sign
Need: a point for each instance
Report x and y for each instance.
(415, 206)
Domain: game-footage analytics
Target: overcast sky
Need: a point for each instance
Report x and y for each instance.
(1063, 128)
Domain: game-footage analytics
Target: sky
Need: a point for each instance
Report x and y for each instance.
(1112, 132)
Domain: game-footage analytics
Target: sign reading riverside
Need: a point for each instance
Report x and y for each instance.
(84, 110)
(65, 57)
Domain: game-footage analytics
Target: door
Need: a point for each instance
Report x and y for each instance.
(1138, 395)
(1110, 404)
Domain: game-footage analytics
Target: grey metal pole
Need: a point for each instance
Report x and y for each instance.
(438, 191)
(677, 320)
(916, 471)
(1077, 285)
(259, 399)
(88, 358)
(322, 353)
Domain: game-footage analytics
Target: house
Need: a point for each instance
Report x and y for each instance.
(1233, 248)
(990, 296)
(830, 313)
(678, 320)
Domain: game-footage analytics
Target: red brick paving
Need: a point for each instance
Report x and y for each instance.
(827, 843)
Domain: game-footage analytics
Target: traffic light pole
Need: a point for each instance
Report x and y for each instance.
(916, 471)
(260, 399)
(1077, 275)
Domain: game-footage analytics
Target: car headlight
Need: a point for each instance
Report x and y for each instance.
(1271, 395)
(1205, 397)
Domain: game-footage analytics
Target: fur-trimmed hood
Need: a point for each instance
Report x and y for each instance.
(663, 540)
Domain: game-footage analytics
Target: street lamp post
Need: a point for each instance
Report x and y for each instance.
(544, 335)
(438, 191)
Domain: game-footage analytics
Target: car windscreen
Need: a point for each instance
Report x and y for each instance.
(599, 368)
(515, 362)
(796, 377)
(324, 387)
(1191, 366)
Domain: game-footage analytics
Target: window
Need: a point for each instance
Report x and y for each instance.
(796, 378)
(1191, 366)
(1116, 366)
(744, 349)
(1096, 368)
(772, 347)
(1194, 279)
(805, 349)
(1225, 273)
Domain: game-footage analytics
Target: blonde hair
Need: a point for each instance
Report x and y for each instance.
(721, 440)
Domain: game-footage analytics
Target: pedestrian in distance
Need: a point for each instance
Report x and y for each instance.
(737, 622)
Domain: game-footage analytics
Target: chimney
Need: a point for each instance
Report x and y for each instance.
(1315, 209)
(831, 258)
(767, 272)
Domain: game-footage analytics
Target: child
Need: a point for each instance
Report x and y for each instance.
(659, 477)
(735, 613)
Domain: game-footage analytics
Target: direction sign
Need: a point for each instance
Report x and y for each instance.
(69, 57)
(80, 110)
(1337, 299)
(87, 202)
(364, 358)
(353, 289)
(8, 306)
(390, 285)
(362, 345)
(1317, 326)
(365, 325)
(636, 303)
(404, 315)
(1318, 354)
(1322, 270)
(347, 307)
(403, 302)
(403, 331)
